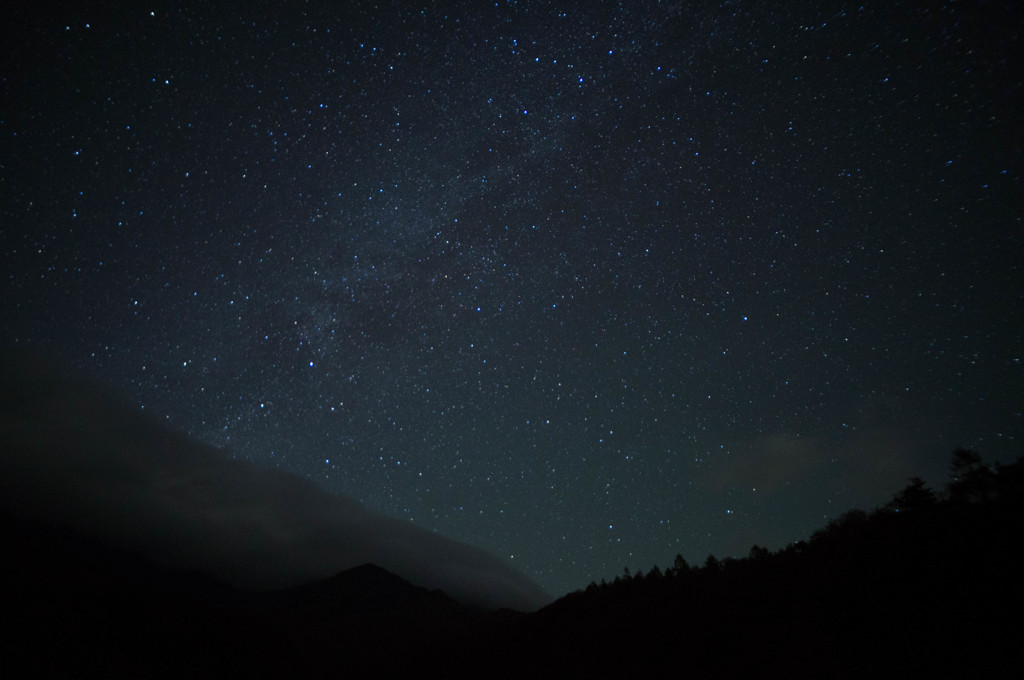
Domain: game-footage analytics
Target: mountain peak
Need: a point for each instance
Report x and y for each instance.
(364, 589)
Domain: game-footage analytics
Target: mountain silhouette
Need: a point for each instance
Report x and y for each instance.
(123, 537)
(73, 455)
(120, 614)
(926, 586)
(362, 590)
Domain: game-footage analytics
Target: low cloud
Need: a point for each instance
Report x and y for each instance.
(74, 457)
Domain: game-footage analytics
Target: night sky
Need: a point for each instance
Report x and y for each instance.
(585, 285)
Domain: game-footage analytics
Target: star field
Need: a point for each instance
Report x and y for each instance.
(584, 286)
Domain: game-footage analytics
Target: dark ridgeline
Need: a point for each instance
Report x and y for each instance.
(926, 586)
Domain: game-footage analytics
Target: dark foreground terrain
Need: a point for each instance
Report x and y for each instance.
(927, 586)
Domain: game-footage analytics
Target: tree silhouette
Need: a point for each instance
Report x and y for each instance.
(757, 553)
(964, 465)
(924, 582)
(914, 497)
(969, 480)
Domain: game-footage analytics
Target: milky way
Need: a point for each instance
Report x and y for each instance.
(584, 287)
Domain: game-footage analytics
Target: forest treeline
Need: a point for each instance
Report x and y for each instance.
(972, 487)
(928, 585)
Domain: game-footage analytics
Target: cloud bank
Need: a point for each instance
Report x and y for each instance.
(72, 456)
